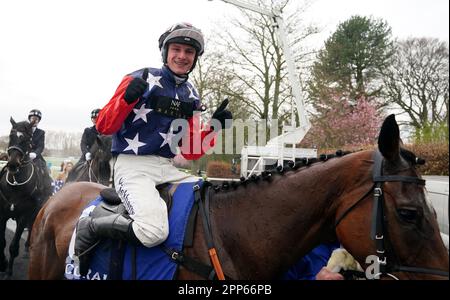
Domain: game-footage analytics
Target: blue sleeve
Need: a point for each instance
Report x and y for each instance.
(309, 265)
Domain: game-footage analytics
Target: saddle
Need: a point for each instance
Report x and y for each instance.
(166, 192)
(118, 260)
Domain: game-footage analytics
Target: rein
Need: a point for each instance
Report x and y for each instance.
(15, 183)
(378, 220)
(193, 265)
(91, 172)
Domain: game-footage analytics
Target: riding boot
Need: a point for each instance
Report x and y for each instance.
(91, 230)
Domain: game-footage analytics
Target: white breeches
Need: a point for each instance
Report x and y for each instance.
(135, 179)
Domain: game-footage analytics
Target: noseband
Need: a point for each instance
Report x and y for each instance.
(23, 153)
(21, 164)
(378, 217)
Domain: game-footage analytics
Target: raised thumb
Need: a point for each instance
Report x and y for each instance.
(223, 105)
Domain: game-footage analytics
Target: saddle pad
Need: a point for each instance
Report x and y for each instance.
(151, 263)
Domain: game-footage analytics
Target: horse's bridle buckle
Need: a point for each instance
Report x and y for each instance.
(377, 192)
(382, 261)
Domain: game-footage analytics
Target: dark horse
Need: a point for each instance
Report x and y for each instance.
(260, 228)
(98, 168)
(22, 191)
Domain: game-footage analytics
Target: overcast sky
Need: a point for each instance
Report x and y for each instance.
(66, 57)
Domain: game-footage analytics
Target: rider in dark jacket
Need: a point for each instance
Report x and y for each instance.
(37, 140)
(37, 147)
(88, 138)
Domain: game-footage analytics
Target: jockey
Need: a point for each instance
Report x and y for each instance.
(88, 138)
(140, 116)
(37, 140)
(37, 146)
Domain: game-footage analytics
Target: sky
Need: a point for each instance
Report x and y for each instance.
(66, 57)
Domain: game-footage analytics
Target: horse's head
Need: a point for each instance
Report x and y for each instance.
(402, 230)
(19, 144)
(101, 155)
(101, 150)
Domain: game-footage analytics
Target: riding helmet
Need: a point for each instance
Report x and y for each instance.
(35, 112)
(94, 113)
(182, 33)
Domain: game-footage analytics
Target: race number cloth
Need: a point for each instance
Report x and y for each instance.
(151, 263)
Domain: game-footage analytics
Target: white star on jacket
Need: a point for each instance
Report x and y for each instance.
(191, 95)
(153, 80)
(167, 137)
(134, 144)
(141, 113)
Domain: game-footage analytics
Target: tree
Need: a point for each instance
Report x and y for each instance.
(351, 60)
(344, 124)
(212, 80)
(418, 83)
(252, 61)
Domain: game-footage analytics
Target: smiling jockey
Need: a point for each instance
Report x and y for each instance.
(140, 116)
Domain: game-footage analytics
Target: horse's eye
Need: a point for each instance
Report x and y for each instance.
(408, 215)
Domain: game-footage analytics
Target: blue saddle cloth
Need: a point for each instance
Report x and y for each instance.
(151, 263)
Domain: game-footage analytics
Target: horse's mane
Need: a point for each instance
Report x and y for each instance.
(297, 166)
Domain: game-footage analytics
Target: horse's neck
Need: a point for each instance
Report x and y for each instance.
(281, 221)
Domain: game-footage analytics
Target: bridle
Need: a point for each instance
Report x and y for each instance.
(378, 230)
(91, 173)
(15, 182)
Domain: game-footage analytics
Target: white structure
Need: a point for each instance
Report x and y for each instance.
(254, 158)
(437, 187)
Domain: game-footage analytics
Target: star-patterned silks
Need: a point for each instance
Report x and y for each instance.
(191, 94)
(167, 137)
(141, 113)
(134, 144)
(153, 80)
(154, 135)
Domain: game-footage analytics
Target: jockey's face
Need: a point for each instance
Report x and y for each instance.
(180, 58)
(34, 120)
(94, 120)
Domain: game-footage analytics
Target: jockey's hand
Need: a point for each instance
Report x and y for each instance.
(221, 114)
(136, 88)
(326, 274)
(88, 156)
(32, 155)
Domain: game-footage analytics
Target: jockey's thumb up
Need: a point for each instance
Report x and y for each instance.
(136, 88)
(32, 155)
(221, 114)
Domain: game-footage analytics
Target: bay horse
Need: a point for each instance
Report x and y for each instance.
(98, 169)
(263, 226)
(22, 191)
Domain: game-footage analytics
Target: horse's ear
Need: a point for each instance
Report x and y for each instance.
(13, 123)
(389, 139)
